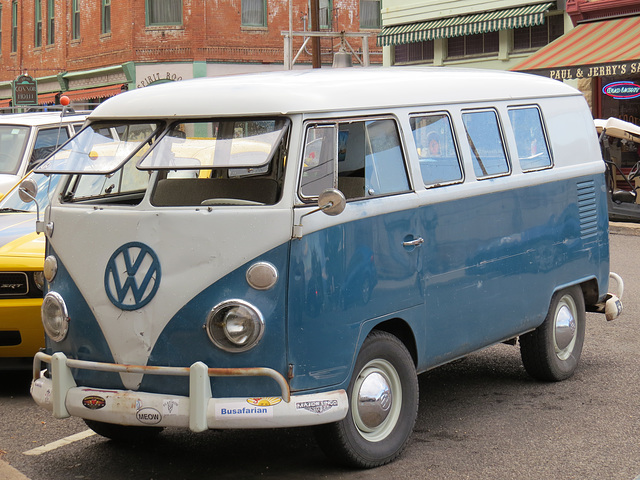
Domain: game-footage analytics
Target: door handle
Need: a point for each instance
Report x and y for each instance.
(416, 242)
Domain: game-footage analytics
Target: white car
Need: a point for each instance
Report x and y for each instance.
(28, 138)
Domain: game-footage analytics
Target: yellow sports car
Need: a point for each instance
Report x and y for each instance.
(21, 277)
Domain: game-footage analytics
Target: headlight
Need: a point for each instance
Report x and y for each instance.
(235, 326)
(50, 268)
(38, 279)
(55, 317)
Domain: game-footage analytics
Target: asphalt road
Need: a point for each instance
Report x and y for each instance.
(480, 418)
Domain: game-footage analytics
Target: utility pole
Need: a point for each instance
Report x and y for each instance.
(315, 27)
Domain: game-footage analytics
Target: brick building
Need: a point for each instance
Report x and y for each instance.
(93, 49)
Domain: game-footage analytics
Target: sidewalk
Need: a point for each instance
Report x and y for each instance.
(7, 472)
(624, 228)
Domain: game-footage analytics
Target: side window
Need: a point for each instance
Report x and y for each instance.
(439, 162)
(46, 142)
(533, 151)
(318, 160)
(367, 156)
(370, 160)
(485, 140)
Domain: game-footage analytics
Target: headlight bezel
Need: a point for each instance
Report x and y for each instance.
(233, 310)
(58, 332)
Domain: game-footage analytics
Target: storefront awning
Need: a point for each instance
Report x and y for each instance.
(464, 25)
(47, 98)
(605, 48)
(100, 92)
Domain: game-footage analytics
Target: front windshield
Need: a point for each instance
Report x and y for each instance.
(46, 185)
(13, 139)
(101, 148)
(217, 144)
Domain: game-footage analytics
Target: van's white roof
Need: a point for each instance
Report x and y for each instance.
(327, 89)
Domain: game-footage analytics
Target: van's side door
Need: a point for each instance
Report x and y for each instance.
(360, 265)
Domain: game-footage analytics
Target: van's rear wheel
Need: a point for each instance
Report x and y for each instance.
(123, 433)
(383, 405)
(552, 351)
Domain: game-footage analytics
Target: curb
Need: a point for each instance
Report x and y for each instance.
(7, 472)
(624, 228)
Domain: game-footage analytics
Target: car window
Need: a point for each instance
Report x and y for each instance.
(47, 141)
(437, 154)
(485, 140)
(366, 155)
(531, 143)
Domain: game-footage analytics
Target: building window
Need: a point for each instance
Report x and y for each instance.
(325, 14)
(14, 26)
(414, 52)
(51, 22)
(75, 20)
(473, 45)
(531, 38)
(37, 41)
(106, 16)
(370, 14)
(164, 12)
(254, 13)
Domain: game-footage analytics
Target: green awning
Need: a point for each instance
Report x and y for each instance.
(464, 25)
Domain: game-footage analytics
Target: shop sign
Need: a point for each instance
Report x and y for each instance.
(622, 90)
(25, 91)
(590, 71)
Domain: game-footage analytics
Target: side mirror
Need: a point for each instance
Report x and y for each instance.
(332, 202)
(28, 190)
(623, 196)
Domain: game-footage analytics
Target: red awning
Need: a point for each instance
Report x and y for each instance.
(595, 49)
(100, 92)
(47, 97)
(5, 102)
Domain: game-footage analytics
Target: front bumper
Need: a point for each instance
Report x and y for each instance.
(199, 411)
(22, 315)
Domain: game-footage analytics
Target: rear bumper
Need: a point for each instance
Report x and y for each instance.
(199, 411)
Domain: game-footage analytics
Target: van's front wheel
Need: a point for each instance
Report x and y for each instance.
(383, 405)
(552, 351)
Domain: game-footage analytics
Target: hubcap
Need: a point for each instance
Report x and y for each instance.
(376, 400)
(566, 327)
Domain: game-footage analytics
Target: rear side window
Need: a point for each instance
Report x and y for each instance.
(485, 141)
(47, 141)
(437, 154)
(360, 158)
(531, 142)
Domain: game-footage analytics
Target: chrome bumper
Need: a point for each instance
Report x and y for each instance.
(199, 411)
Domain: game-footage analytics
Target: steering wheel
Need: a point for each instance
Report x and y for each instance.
(633, 173)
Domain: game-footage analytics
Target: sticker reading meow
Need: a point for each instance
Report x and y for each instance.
(149, 416)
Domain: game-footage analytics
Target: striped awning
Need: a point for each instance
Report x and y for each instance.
(604, 48)
(464, 25)
(99, 92)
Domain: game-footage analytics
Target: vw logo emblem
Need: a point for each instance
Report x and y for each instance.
(132, 276)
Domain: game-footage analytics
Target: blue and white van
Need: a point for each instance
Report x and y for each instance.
(293, 248)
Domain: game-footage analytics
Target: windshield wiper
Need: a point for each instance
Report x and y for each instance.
(12, 210)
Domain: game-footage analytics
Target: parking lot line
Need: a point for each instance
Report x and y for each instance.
(60, 443)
